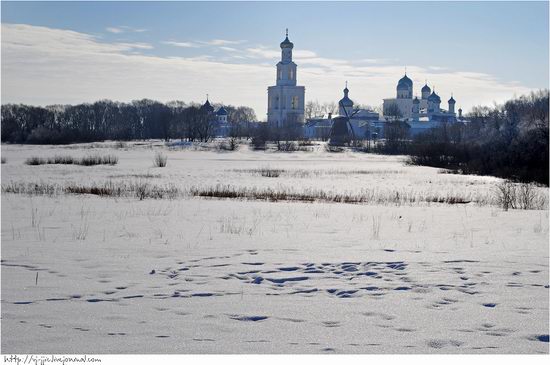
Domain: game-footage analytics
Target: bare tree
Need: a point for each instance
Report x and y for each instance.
(393, 113)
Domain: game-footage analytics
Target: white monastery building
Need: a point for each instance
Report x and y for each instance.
(428, 107)
(286, 105)
(285, 100)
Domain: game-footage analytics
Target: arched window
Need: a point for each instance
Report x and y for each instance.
(294, 102)
(276, 102)
(291, 74)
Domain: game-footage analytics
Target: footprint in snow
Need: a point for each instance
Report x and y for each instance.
(541, 338)
(248, 318)
(331, 324)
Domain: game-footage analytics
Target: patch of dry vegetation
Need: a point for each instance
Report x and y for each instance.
(520, 197)
(303, 173)
(90, 160)
(365, 196)
(160, 160)
(137, 189)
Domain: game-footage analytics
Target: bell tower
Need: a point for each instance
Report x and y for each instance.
(286, 69)
(285, 100)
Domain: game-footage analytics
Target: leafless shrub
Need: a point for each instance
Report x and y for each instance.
(160, 160)
(141, 190)
(287, 146)
(506, 195)
(528, 196)
(232, 144)
(258, 143)
(519, 196)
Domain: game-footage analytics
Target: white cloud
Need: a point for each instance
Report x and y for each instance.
(136, 45)
(262, 52)
(124, 28)
(181, 44)
(114, 30)
(221, 42)
(44, 66)
(215, 42)
(229, 49)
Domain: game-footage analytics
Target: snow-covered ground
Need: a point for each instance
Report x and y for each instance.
(89, 274)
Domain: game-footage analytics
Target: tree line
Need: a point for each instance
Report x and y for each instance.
(106, 119)
(508, 141)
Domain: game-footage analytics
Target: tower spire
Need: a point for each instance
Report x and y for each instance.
(287, 32)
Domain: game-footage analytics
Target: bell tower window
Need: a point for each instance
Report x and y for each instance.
(294, 102)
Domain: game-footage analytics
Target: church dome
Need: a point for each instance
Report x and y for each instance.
(207, 106)
(452, 100)
(404, 83)
(434, 98)
(426, 89)
(416, 101)
(287, 43)
(346, 101)
(221, 111)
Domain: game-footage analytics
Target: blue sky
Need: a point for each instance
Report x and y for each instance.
(481, 52)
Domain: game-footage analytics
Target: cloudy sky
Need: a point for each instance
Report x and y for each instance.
(81, 52)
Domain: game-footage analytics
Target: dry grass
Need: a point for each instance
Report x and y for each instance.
(144, 190)
(303, 173)
(365, 196)
(333, 149)
(146, 175)
(160, 160)
(137, 189)
(376, 221)
(90, 160)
